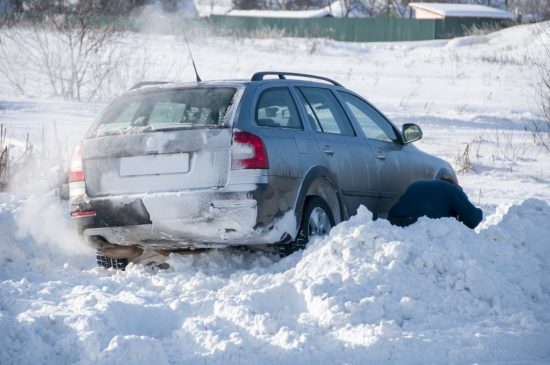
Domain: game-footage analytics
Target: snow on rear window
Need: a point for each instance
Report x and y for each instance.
(183, 108)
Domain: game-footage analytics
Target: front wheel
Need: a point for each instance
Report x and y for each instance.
(316, 221)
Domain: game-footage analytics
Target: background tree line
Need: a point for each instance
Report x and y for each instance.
(104, 7)
(538, 8)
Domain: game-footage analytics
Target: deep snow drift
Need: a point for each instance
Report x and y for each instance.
(435, 292)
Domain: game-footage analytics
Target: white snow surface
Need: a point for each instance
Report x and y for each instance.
(334, 9)
(463, 10)
(435, 292)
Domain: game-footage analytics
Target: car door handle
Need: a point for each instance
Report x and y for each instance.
(328, 150)
(380, 155)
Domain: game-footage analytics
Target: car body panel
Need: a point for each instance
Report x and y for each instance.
(178, 188)
(112, 162)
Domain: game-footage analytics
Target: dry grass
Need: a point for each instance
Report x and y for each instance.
(4, 159)
(541, 128)
(32, 169)
(463, 161)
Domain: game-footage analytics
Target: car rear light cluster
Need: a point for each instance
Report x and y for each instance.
(76, 169)
(86, 213)
(248, 152)
(77, 182)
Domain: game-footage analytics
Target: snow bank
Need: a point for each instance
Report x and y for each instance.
(434, 292)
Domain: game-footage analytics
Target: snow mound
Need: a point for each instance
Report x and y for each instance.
(508, 41)
(434, 292)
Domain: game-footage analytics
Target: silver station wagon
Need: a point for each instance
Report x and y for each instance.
(274, 160)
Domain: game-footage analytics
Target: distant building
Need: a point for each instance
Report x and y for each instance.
(446, 10)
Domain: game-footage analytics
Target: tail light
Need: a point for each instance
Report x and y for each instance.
(86, 213)
(76, 169)
(248, 152)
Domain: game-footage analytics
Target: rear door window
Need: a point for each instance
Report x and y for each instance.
(167, 112)
(183, 108)
(324, 112)
(276, 108)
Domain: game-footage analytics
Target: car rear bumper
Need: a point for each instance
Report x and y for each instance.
(181, 219)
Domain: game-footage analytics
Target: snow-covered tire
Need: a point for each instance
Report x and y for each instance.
(316, 221)
(110, 263)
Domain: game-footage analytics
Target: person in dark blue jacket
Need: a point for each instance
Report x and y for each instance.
(434, 199)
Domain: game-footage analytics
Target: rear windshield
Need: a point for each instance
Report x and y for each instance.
(183, 108)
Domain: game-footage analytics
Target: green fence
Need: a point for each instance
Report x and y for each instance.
(379, 29)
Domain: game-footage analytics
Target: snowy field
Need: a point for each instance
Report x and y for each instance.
(435, 292)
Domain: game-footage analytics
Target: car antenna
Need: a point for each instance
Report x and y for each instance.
(192, 60)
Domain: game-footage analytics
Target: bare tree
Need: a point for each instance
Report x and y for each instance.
(350, 7)
(401, 7)
(14, 72)
(69, 52)
(264, 4)
(371, 8)
(541, 129)
(539, 9)
(4, 159)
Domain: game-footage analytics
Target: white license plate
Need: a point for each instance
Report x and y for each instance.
(176, 163)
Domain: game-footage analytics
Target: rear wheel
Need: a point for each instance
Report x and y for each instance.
(110, 263)
(317, 221)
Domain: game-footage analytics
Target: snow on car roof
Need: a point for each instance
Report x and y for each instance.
(463, 10)
(186, 84)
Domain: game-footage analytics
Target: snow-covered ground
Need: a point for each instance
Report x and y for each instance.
(435, 292)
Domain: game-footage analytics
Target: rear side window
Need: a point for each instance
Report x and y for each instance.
(183, 108)
(324, 112)
(373, 124)
(276, 108)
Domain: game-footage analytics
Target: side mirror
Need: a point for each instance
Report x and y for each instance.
(411, 132)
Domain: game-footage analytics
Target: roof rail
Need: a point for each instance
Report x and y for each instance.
(147, 83)
(260, 76)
